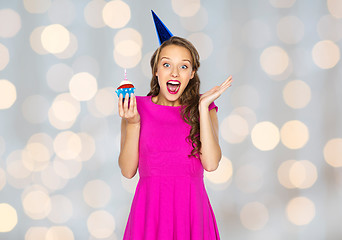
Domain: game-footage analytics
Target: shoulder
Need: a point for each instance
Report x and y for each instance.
(213, 106)
(142, 98)
(142, 101)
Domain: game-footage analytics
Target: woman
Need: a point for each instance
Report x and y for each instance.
(170, 136)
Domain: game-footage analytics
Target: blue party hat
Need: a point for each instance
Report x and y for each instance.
(162, 31)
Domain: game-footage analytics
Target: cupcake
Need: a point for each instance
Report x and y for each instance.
(125, 87)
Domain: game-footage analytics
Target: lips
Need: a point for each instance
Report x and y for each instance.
(173, 86)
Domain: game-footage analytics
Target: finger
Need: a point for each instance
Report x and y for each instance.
(227, 81)
(121, 112)
(224, 88)
(126, 103)
(131, 104)
(135, 110)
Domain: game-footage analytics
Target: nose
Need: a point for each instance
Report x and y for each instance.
(174, 72)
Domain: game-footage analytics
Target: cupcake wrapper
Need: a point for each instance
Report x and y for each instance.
(123, 91)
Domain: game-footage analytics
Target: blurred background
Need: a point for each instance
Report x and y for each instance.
(280, 176)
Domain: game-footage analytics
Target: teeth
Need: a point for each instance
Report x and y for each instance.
(173, 82)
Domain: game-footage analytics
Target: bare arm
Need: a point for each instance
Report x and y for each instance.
(210, 150)
(209, 135)
(130, 133)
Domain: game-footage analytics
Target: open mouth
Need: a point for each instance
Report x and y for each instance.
(173, 86)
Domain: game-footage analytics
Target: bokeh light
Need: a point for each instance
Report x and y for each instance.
(96, 193)
(2, 179)
(303, 174)
(36, 204)
(300, 211)
(13, 23)
(203, 44)
(83, 86)
(265, 136)
(35, 40)
(59, 232)
(42, 138)
(127, 48)
(186, 8)
(297, 94)
(333, 152)
(93, 13)
(254, 216)
(222, 174)
(196, 22)
(70, 50)
(127, 61)
(116, 14)
(64, 111)
(130, 35)
(4, 56)
(88, 147)
(297, 174)
(290, 29)
(36, 156)
(8, 217)
(67, 145)
(294, 134)
(15, 166)
(37, 6)
(55, 38)
(101, 224)
(282, 3)
(8, 94)
(284, 174)
(335, 8)
(234, 128)
(36, 233)
(274, 60)
(103, 104)
(326, 54)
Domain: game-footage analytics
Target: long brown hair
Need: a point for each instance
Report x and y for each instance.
(190, 97)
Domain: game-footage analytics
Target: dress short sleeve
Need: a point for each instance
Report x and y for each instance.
(212, 106)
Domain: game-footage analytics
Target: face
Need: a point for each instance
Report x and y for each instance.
(174, 72)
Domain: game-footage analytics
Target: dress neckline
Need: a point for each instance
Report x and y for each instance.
(150, 100)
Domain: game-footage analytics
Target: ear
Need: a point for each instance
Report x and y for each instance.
(192, 74)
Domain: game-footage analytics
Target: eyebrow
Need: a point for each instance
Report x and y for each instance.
(185, 60)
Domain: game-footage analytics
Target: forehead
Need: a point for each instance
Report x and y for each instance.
(175, 52)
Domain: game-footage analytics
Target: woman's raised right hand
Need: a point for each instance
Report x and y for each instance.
(128, 109)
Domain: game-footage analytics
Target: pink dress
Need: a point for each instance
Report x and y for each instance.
(170, 201)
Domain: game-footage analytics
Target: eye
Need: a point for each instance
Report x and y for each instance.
(184, 67)
(166, 65)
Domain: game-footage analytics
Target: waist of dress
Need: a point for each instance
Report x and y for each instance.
(170, 170)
